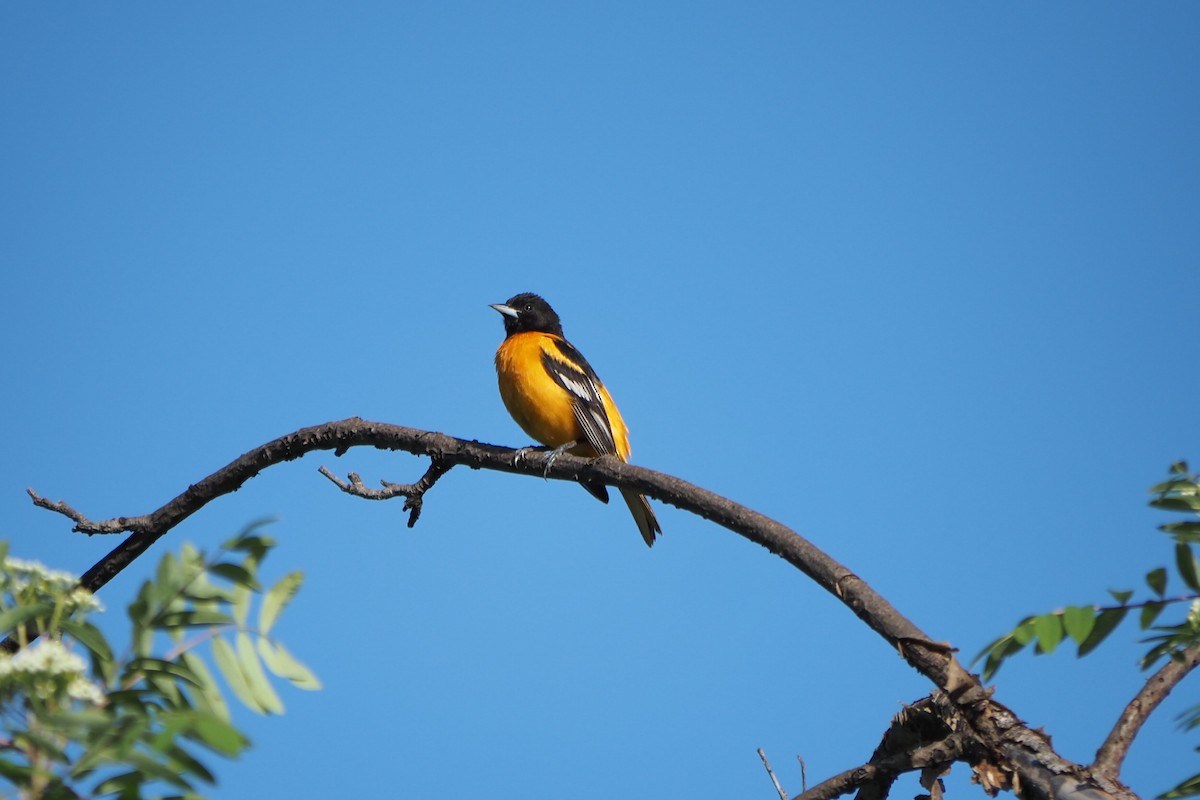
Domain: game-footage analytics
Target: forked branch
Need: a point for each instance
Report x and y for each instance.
(927, 736)
(413, 493)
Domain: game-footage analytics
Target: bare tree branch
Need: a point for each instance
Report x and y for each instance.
(840, 784)
(882, 773)
(413, 493)
(1112, 753)
(924, 736)
(1039, 768)
(778, 788)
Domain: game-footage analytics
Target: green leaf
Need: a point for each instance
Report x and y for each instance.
(1155, 653)
(104, 666)
(168, 575)
(227, 663)
(193, 619)
(17, 616)
(1189, 788)
(1150, 612)
(190, 557)
(139, 609)
(18, 774)
(47, 745)
(1169, 485)
(241, 605)
(1104, 625)
(218, 735)
(174, 669)
(1049, 629)
(236, 574)
(998, 652)
(165, 687)
(1024, 633)
(153, 768)
(125, 785)
(171, 725)
(256, 678)
(1180, 502)
(89, 636)
(209, 697)
(1156, 579)
(1121, 595)
(991, 667)
(78, 721)
(249, 542)
(183, 761)
(202, 590)
(1078, 622)
(143, 640)
(277, 599)
(1190, 718)
(1183, 531)
(1186, 563)
(284, 664)
(99, 751)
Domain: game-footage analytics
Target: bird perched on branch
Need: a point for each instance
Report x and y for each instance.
(557, 398)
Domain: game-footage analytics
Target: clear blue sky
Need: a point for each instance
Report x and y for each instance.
(918, 280)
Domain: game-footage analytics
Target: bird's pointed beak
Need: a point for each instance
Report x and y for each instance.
(507, 311)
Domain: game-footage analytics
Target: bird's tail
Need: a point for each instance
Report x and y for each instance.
(642, 514)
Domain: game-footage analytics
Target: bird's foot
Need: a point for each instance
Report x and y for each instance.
(555, 453)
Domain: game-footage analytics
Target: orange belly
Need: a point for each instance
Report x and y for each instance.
(539, 405)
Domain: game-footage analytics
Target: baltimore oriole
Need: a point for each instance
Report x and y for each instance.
(557, 398)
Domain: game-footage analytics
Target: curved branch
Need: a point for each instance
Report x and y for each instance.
(1112, 753)
(1040, 769)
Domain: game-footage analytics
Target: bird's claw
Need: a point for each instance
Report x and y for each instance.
(523, 453)
(555, 453)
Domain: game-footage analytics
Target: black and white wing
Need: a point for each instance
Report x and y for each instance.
(571, 371)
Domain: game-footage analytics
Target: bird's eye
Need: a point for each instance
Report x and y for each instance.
(528, 307)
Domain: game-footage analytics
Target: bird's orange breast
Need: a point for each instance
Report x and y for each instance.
(542, 408)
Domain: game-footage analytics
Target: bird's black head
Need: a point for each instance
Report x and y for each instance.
(528, 312)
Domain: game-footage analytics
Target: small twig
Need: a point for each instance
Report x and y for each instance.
(1183, 598)
(933, 756)
(803, 774)
(922, 736)
(782, 794)
(1112, 753)
(840, 784)
(85, 525)
(413, 493)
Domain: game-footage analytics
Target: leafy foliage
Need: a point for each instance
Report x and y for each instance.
(136, 725)
(1089, 625)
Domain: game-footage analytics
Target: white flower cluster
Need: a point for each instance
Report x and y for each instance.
(18, 577)
(82, 600)
(33, 570)
(49, 671)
